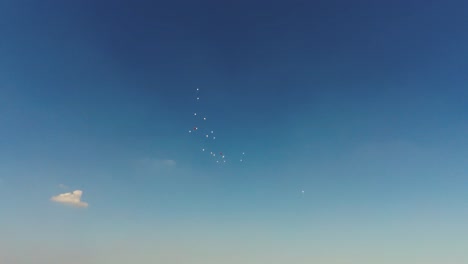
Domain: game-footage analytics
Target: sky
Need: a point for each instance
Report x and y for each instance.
(352, 116)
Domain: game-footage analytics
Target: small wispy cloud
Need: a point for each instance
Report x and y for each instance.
(63, 186)
(170, 163)
(158, 163)
(70, 198)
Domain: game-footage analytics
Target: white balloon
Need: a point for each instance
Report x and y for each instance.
(194, 113)
(204, 118)
(211, 131)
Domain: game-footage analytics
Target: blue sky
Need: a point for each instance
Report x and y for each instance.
(361, 104)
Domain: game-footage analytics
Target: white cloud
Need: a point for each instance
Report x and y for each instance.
(70, 198)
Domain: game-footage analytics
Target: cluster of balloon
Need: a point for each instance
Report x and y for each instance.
(207, 136)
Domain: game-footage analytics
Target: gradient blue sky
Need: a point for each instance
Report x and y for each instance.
(361, 104)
